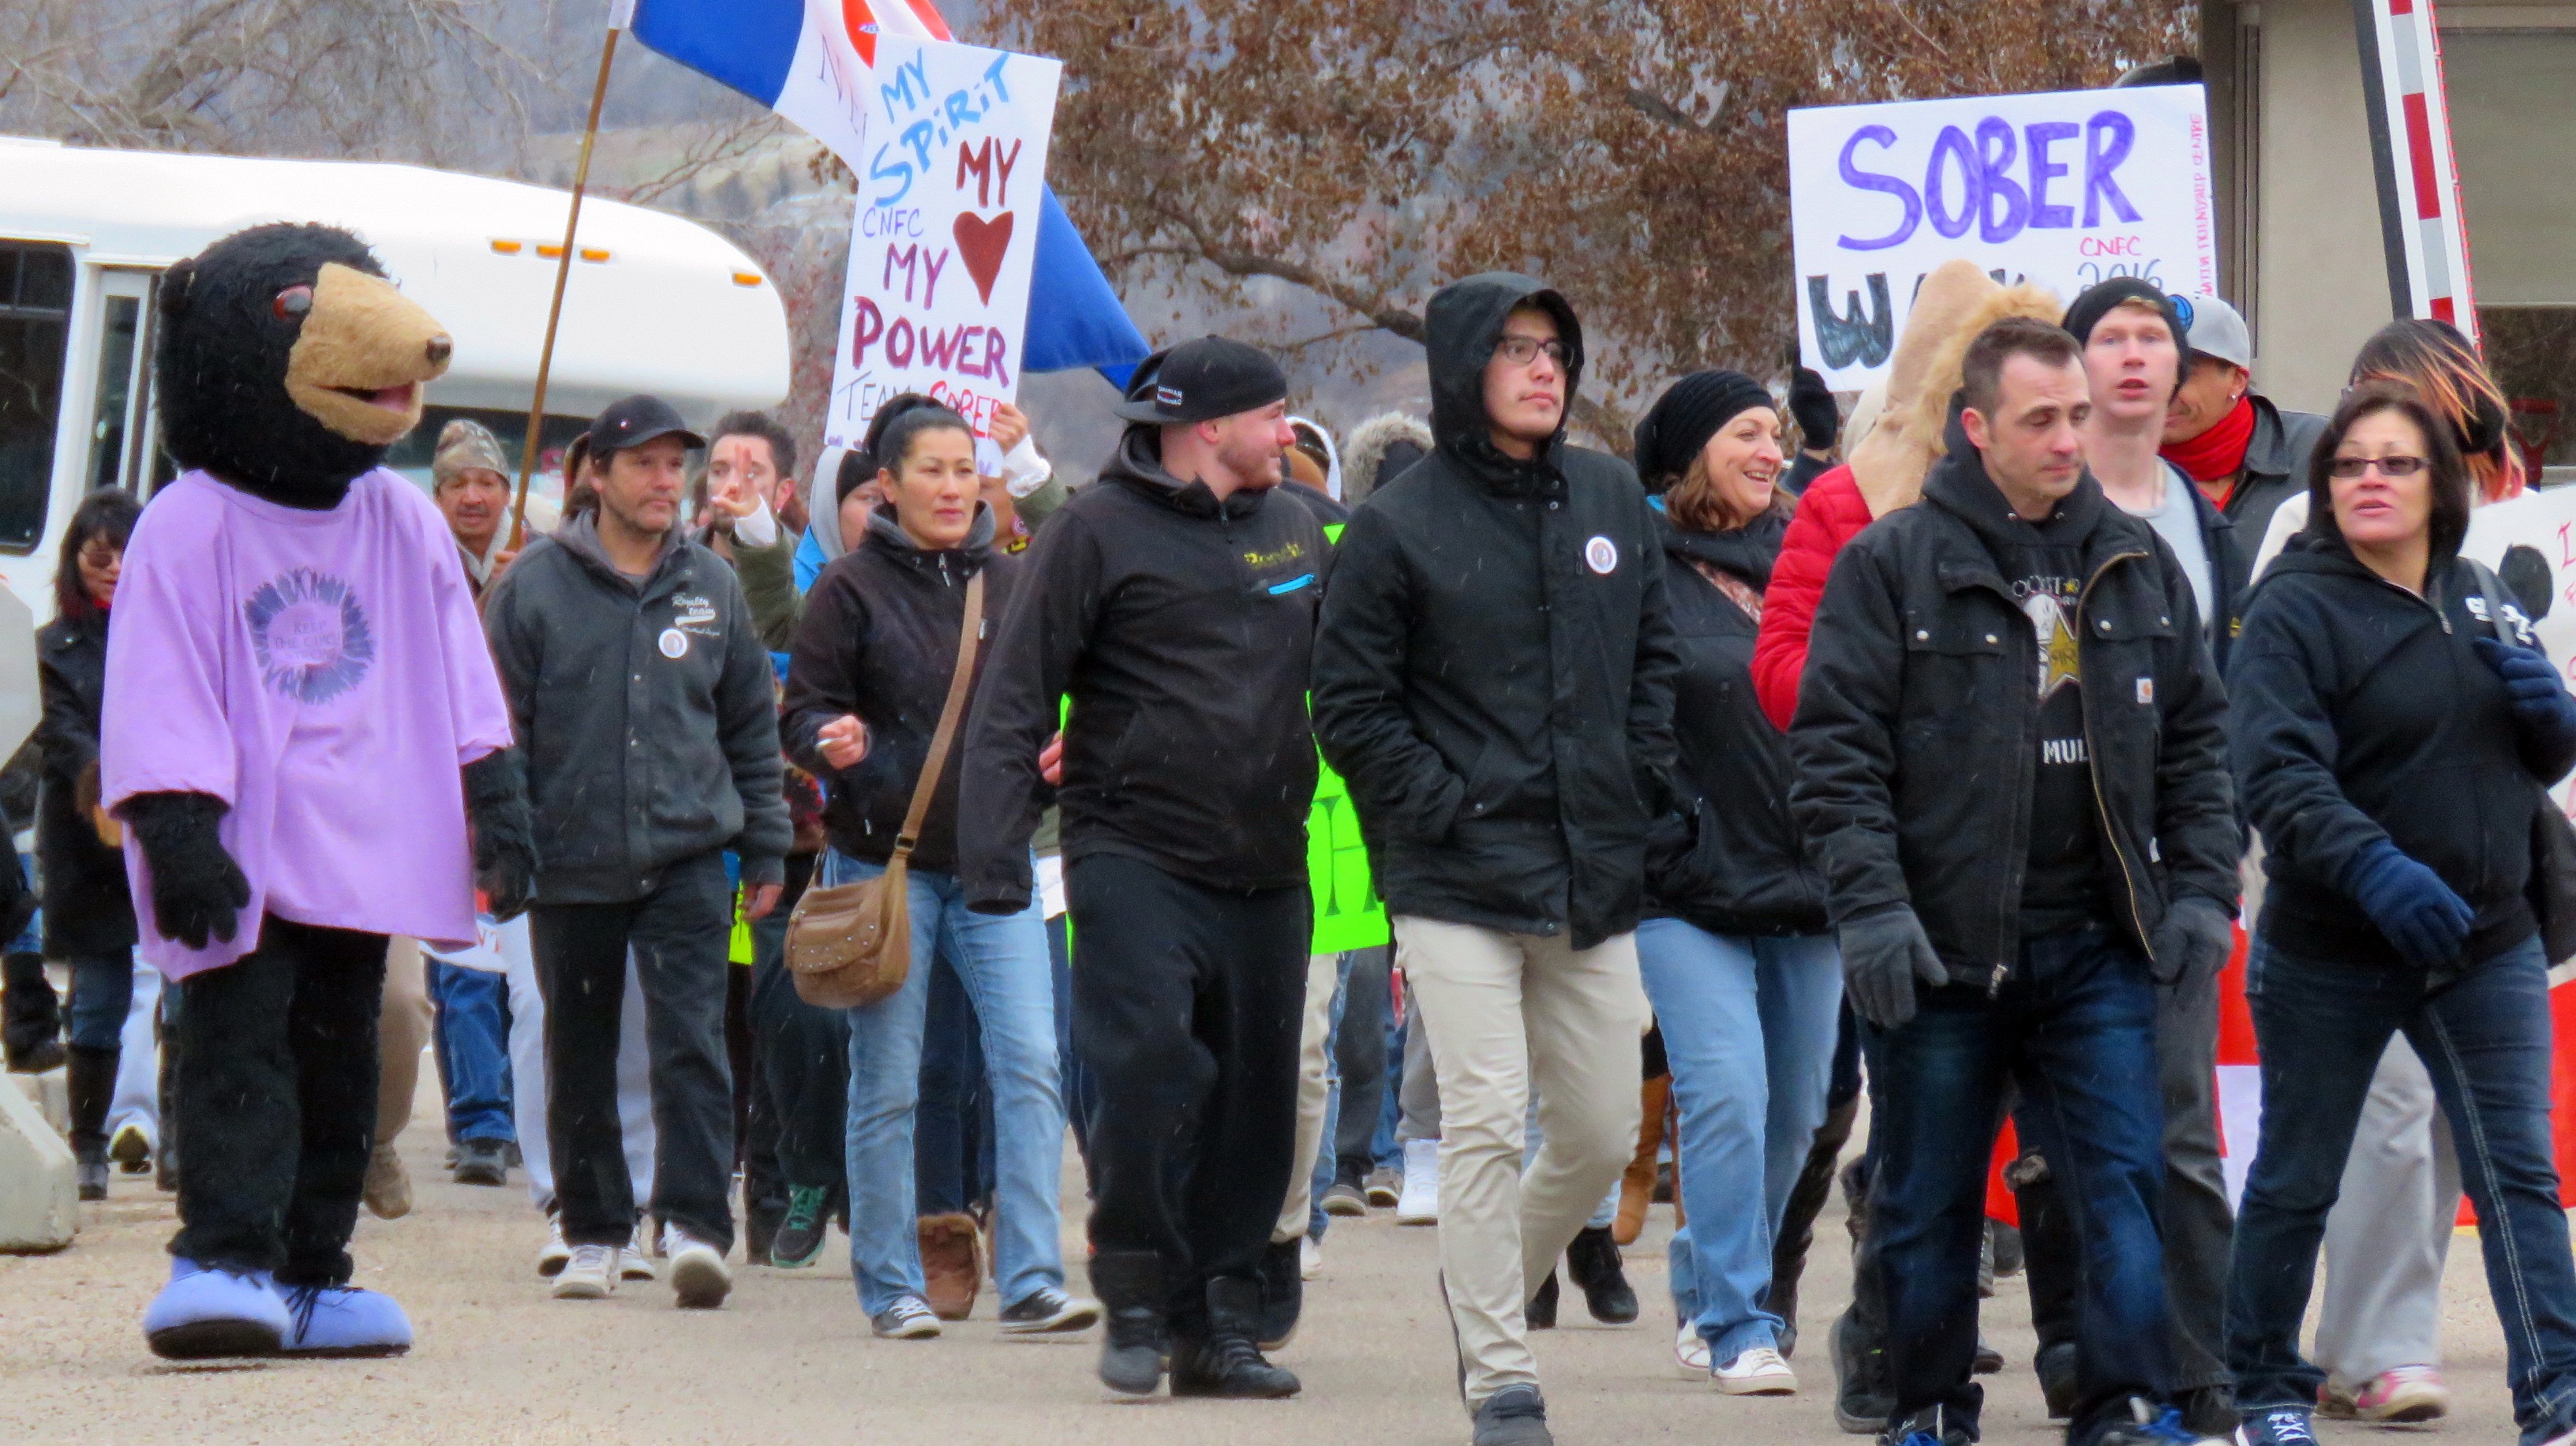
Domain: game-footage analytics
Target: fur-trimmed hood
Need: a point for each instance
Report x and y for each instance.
(1955, 302)
(1389, 437)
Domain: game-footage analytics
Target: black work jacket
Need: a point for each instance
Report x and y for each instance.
(1918, 717)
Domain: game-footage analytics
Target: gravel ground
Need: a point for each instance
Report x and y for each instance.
(789, 1359)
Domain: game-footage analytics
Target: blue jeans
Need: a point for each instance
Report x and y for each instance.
(2075, 1027)
(1749, 1029)
(2484, 1036)
(1003, 962)
(1327, 1164)
(952, 1122)
(473, 1043)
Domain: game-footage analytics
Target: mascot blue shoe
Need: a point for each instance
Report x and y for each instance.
(342, 1320)
(207, 1312)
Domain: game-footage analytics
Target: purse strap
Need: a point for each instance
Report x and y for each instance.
(949, 714)
(2491, 590)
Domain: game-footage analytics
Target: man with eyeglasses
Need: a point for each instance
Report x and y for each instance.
(1493, 678)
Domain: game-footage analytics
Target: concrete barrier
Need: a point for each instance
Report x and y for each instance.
(39, 1199)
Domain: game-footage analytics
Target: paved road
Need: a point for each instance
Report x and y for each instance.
(789, 1361)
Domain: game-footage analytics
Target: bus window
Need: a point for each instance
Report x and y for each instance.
(107, 428)
(35, 327)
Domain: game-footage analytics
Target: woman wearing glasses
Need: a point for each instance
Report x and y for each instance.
(2392, 747)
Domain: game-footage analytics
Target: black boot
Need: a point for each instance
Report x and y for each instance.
(1863, 1397)
(1227, 1362)
(1592, 1259)
(31, 1019)
(1130, 1286)
(1540, 1313)
(89, 1077)
(1283, 1293)
(1807, 1198)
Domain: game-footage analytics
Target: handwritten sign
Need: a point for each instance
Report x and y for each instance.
(2065, 189)
(946, 228)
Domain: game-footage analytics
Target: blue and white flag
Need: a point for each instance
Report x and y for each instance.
(812, 61)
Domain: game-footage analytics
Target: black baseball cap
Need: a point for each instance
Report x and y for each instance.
(634, 421)
(1200, 380)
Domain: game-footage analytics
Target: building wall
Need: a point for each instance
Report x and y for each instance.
(2513, 123)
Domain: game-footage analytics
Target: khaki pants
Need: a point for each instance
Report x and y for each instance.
(402, 1032)
(1314, 1092)
(1506, 1013)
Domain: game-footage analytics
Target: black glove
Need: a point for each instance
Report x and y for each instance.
(2541, 702)
(1884, 952)
(2193, 943)
(197, 889)
(1820, 422)
(505, 851)
(2427, 922)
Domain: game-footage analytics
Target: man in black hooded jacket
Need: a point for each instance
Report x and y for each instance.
(2011, 770)
(1172, 604)
(1493, 677)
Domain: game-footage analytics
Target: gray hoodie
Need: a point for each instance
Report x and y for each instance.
(647, 712)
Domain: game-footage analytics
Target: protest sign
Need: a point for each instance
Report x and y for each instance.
(2064, 189)
(945, 231)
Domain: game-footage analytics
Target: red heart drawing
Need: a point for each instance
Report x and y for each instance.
(982, 244)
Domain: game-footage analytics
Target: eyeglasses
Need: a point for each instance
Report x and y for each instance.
(2351, 467)
(1521, 350)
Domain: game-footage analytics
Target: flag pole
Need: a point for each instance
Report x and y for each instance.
(620, 12)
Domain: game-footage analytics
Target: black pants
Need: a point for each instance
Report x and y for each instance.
(1359, 1048)
(30, 1011)
(804, 1055)
(1187, 1002)
(277, 1100)
(952, 1126)
(679, 933)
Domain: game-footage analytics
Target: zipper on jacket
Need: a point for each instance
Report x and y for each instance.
(2093, 758)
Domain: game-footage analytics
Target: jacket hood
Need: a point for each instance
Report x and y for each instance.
(1460, 327)
(1962, 486)
(1138, 464)
(886, 532)
(1391, 437)
(1747, 552)
(580, 537)
(1954, 303)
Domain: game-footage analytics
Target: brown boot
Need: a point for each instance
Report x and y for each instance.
(1637, 1186)
(952, 1268)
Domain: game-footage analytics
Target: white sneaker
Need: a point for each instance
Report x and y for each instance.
(699, 1275)
(1691, 1349)
(1420, 1202)
(1310, 1258)
(590, 1274)
(552, 1256)
(1758, 1372)
(635, 1262)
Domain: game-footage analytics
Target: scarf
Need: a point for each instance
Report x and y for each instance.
(2217, 454)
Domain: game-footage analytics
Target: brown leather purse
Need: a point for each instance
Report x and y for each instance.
(850, 945)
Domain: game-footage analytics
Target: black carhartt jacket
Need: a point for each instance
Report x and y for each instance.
(1494, 671)
(1918, 715)
(1179, 627)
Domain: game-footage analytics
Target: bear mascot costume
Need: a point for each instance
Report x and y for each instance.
(305, 737)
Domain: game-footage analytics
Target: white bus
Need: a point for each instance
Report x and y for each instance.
(655, 304)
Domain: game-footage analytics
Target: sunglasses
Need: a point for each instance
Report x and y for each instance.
(2351, 467)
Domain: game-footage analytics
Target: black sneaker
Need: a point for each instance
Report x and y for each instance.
(1540, 1313)
(798, 1242)
(1592, 1259)
(1345, 1200)
(1283, 1294)
(2150, 1425)
(2055, 1365)
(1513, 1416)
(1927, 1427)
(2208, 1410)
(482, 1162)
(1228, 1366)
(1988, 1361)
(2277, 1426)
(1860, 1406)
(1048, 1311)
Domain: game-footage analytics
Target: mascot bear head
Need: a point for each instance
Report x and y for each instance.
(287, 364)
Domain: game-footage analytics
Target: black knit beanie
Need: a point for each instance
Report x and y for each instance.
(1686, 416)
(2097, 301)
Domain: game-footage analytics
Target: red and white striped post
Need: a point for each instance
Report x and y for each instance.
(2421, 225)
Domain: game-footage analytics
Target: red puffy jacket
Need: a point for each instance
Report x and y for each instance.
(1829, 515)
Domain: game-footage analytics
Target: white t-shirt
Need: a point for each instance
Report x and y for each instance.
(2178, 523)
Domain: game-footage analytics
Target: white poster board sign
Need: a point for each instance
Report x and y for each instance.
(2064, 189)
(2521, 538)
(945, 231)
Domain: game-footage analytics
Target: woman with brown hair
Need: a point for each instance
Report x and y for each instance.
(1734, 951)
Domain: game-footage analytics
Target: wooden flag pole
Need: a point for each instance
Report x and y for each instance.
(563, 273)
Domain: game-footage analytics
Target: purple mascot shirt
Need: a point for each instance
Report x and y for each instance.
(324, 674)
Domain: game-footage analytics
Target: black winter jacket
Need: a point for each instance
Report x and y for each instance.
(1729, 859)
(1180, 627)
(87, 910)
(1494, 672)
(2363, 713)
(1917, 724)
(648, 713)
(879, 639)
(2276, 468)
